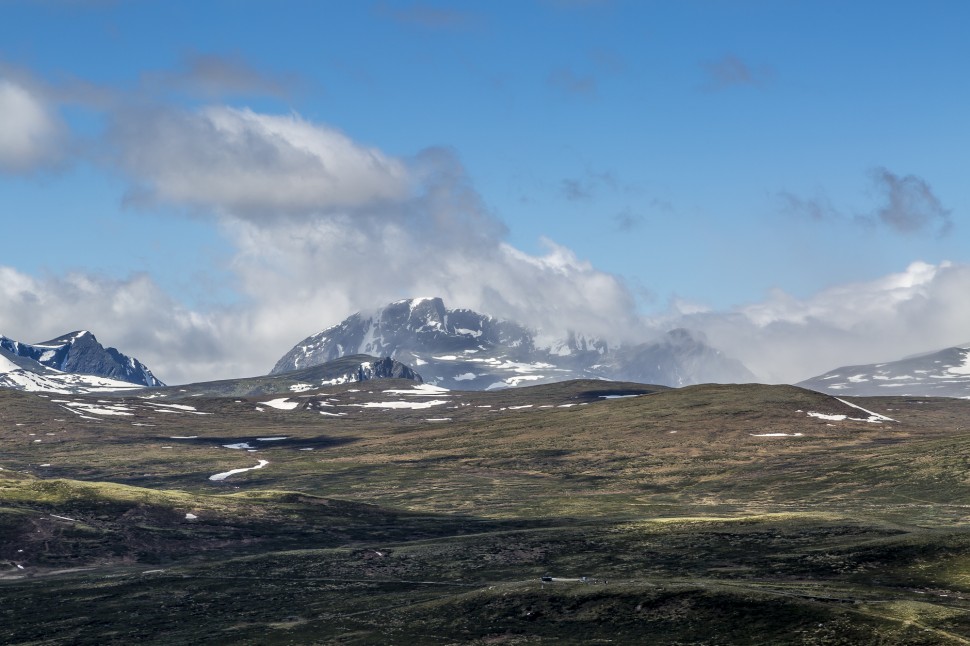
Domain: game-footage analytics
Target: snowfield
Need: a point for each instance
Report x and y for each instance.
(222, 476)
(283, 403)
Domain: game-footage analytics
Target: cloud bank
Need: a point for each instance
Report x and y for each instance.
(784, 339)
(323, 226)
(32, 137)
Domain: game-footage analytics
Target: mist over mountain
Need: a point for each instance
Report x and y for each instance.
(464, 349)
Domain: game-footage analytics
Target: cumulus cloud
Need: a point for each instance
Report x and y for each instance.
(363, 228)
(322, 227)
(134, 315)
(249, 164)
(785, 339)
(32, 136)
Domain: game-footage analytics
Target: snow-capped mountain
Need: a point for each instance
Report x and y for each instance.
(20, 373)
(80, 353)
(945, 373)
(460, 348)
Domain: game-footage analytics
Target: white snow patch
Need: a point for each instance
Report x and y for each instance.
(299, 388)
(239, 445)
(271, 439)
(403, 404)
(438, 419)
(176, 406)
(873, 417)
(420, 390)
(80, 408)
(226, 474)
(520, 407)
(833, 418)
(282, 403)
(190, 516)
(465, 376)
(964, 368)
(182, 437)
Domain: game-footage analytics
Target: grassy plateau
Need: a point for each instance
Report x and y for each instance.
(582, 512)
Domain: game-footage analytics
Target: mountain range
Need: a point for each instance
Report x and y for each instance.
(944, 373)
(466, 350)
(422, 340)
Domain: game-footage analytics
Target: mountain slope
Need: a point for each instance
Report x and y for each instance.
(460, 348)
(20, 373)
(80, 353)
(352, 369)
(945, 373)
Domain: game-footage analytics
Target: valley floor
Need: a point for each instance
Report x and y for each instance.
(581, 512)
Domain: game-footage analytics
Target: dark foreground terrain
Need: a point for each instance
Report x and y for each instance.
(703, 515)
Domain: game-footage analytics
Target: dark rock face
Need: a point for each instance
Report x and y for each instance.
(460, 348)
(386, 368)
(414, 327)
(80, 353)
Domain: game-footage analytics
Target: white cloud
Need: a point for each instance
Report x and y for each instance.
(784, 339)
(31, 135)
(322, 227)
(249, 164)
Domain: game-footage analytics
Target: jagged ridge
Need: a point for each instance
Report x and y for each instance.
(460, 348)
(80, 353)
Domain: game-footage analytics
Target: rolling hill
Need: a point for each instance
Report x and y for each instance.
(389, 511)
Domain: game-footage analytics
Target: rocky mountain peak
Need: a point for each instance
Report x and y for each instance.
(461, 348)
(79, 352)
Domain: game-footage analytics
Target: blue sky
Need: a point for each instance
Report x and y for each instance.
(753, 170)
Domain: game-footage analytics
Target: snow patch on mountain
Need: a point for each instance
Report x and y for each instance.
(465, 349)
(77, 353)
(945, 373)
